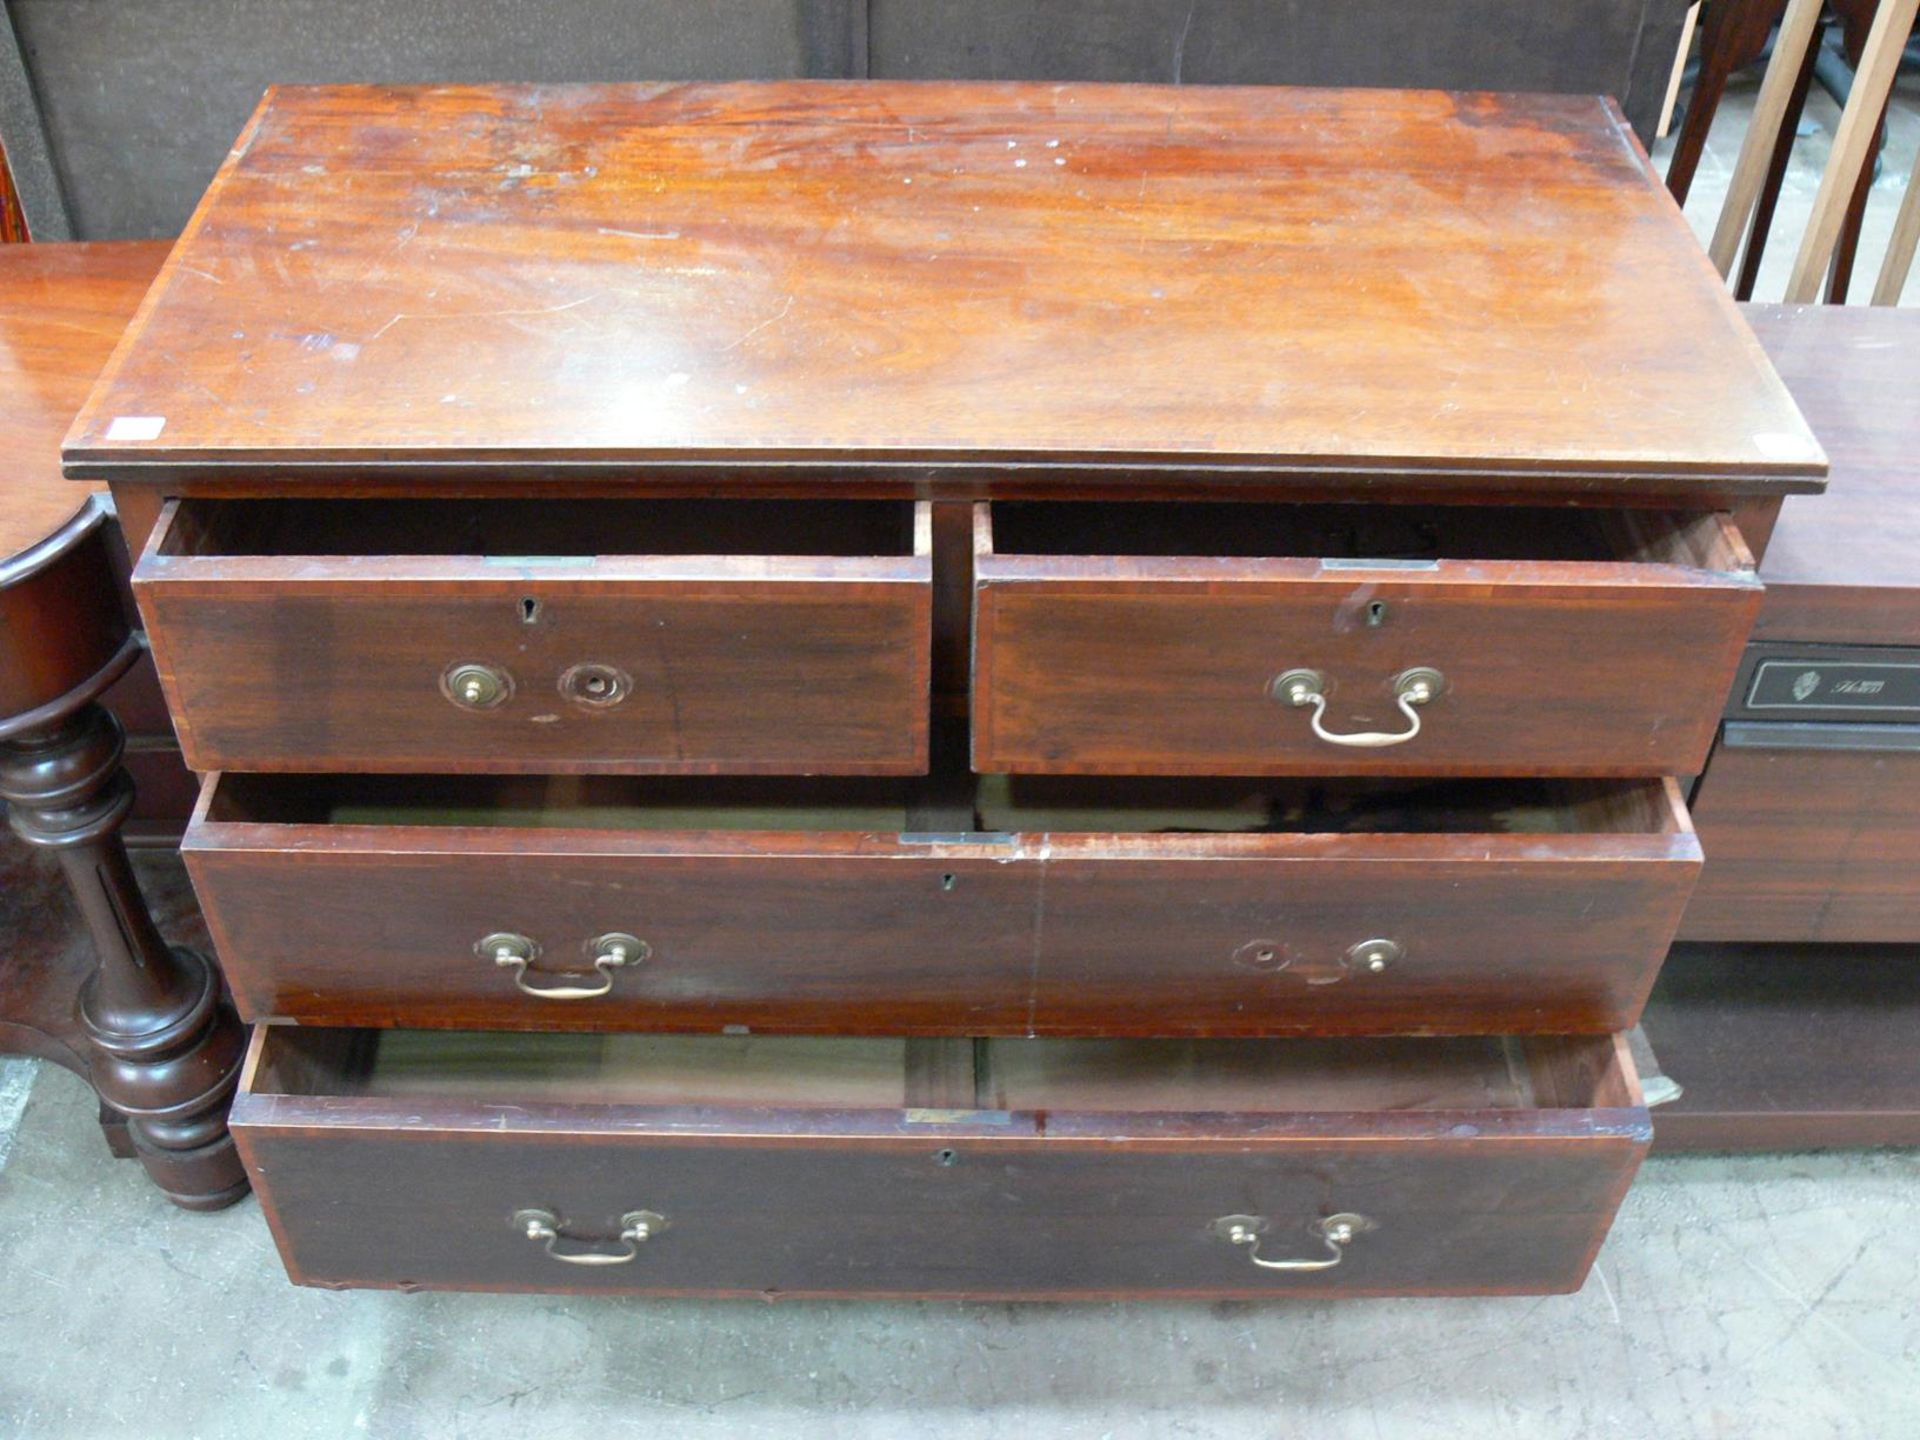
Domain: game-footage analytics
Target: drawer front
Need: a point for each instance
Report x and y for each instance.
(1180, 665)
(1812, 833)
(728, 664)
(434, 1194)
(1029, 933)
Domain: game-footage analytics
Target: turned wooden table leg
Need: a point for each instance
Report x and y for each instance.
(165, 1046)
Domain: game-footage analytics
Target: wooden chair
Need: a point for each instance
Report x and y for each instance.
(1734, 34)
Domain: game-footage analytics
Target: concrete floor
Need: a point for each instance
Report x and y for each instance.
(1775, 1297)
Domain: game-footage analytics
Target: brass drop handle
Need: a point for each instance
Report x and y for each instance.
(1411, 688)
(610, 952)
(636, 1228)
(1336, 1232)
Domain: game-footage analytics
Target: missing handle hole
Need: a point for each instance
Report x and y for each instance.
(529, 610)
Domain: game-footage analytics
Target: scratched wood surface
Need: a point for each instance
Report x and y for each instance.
(850, 277)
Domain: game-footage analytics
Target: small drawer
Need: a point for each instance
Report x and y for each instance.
(1045, 905)
(652, 637)
(788, 1167)
(1295, 639)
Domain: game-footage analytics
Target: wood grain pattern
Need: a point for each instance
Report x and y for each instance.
(274, 659)
(781, 1201)
(1809, 845)
(1555, 924)
(62, 309)
(1788, 1047)
(1840, 569)
(1161, 662)
(548, 280)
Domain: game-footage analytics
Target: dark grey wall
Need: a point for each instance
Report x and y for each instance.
(138, 100)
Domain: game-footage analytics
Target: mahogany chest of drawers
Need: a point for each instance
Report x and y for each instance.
(942, 689)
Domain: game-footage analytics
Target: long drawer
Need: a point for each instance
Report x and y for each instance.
(1041, 905)
(1022, 1168)
(1299, 639)
(659, 636)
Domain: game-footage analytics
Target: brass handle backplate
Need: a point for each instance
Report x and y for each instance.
(474, 686)
(1336, 1232)
(636, 1228)
(516, 952)
(1419, 686)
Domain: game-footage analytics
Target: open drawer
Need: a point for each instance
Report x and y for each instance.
(710, 1165)
(1296, 639)
(655, 636)
(1045, 905)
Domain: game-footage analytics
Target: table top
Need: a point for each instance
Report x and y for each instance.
(62, 309)
(929, 280)
(1845, 566)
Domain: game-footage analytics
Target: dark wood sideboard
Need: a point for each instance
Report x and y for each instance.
(1790, 1015)
(963, 690)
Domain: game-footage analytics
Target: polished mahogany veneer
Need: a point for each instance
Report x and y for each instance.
(932, 280)
(671, 636)
(1118, 908)
(1158, 639)
(587, 527)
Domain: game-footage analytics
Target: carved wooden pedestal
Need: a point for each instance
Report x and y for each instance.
(148, 1028)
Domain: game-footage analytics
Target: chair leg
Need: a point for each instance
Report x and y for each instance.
(1732, 35)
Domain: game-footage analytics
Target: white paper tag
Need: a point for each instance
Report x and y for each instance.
(1780, 445)
(136, 427)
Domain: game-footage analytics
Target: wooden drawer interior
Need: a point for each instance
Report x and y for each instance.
(834, 1074)
(1397, 535)
(1332, 805)
(999, 805)
(515, 528)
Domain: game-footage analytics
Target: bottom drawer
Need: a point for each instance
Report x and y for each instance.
(799, 1166)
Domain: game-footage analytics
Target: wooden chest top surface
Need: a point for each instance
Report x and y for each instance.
(62, 308)
(924, 279)
(1852, 554)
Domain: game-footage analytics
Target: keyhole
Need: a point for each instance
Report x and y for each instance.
(1377, 614)
(946, 1157)
(529, 610)
(947, 882)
